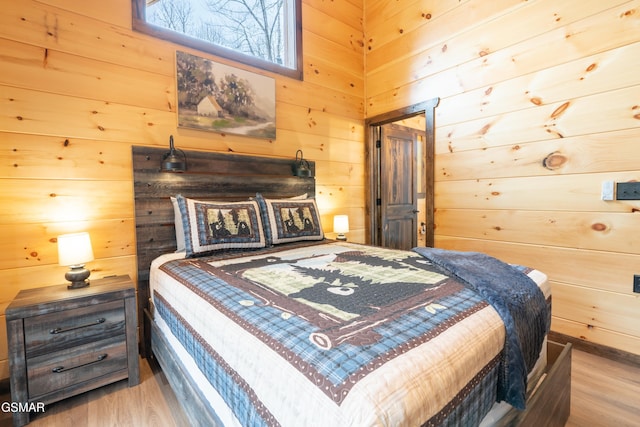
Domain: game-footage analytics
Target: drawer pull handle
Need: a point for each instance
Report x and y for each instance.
(62, 330)
(59, 369)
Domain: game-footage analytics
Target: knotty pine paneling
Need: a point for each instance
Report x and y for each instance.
(32, 156)
(538, 106)
(478, 42)
(301, 119)
(42, 69)
(602, 231)
(611, 310)
(103, 11)
(85, 35)
(35, 112)
(616, 109)
(577, 193)
(337, 173)
(581, 77)
(570, 41)
(75, 117)
(56, 200)
(594, 334)
(320, 23)
(325, 73)
(79, 88)
(333, 102)
(26, 246)
(350, 16)
(404, 29)
(580, 154)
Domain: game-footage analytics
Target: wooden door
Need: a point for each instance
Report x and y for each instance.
(378, 177)
(398, 194)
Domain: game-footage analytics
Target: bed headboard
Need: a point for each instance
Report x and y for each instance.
(209, 176)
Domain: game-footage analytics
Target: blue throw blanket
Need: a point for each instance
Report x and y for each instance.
(519, 302)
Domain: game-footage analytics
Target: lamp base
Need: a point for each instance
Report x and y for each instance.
(79, 285)
(342, 237)
(78, 276)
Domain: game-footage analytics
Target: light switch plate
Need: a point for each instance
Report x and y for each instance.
(607, 190)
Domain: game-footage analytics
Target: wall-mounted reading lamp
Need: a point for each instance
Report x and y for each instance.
(301, 167)
(171, 161)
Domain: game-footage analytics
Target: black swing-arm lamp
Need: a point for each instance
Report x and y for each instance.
(171, 161)
(301, 167)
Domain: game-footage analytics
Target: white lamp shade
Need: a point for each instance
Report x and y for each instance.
(74, 249)
(341, 224)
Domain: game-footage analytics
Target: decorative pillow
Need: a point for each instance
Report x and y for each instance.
(292, 220)
(265, 217)
(210, 226)
(177, 218)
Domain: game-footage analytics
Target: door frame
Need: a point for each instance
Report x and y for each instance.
(372, 210)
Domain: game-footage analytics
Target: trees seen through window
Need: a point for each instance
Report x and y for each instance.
(262, 33)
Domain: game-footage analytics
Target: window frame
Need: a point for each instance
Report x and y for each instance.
(140, 25)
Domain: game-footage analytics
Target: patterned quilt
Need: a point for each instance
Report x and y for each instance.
(336, 334)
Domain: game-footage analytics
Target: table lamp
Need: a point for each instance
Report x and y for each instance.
(341, 226)
(74, 250)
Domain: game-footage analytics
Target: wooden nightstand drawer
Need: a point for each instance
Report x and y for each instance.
(51, 332)
(50, 372)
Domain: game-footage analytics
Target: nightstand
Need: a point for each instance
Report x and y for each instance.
(64, 342)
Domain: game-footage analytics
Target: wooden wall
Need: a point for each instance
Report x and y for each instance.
(540, 103)
(79, 88)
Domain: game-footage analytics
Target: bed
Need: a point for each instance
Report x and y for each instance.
(242, 348)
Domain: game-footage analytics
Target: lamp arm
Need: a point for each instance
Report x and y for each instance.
(172, 149)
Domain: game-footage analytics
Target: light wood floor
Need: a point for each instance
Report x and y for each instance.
(603, 394)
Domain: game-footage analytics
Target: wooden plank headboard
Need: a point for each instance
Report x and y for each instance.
(209, 176)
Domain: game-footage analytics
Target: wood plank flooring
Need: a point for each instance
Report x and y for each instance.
(604, 393)
(149, 404)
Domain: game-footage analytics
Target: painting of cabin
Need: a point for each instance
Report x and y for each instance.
(224, 99)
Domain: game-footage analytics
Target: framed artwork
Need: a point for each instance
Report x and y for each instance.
(224, 99)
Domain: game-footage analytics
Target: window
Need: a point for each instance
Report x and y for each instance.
(262, 33)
